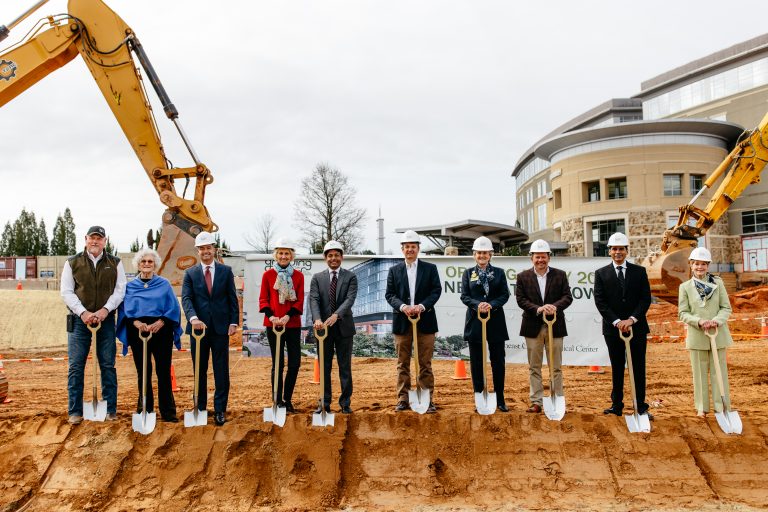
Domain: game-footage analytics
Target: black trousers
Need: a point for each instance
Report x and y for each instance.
(496, 354)
(290, 341)
(159, 348)
(617, 351)
(342, 346)
(216, 347)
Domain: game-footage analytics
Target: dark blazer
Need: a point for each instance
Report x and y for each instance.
(473, 293)
(346, 292)
(428, 290)
(528, 295)
(614, 305)
(219, 309)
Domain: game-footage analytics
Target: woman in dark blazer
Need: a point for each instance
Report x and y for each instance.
(484, 288)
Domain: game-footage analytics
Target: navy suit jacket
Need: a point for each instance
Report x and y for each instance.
(613, 304)
(428, 290)
(473, 293)
(219, 309)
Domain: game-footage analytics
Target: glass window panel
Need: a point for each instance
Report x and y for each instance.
(696, 183)
(673, 184)
(617, 188)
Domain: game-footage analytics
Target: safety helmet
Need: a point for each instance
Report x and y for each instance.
(410, 236)
(204, 238)
(283, 243)
(482, 244)
(700, 254)
(539, 246)
(333, 245)
(618, 240)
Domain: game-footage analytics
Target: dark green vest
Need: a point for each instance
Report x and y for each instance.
(94, 286)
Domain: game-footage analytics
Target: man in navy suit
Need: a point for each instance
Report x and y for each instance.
(209, 300)
(623, 296)
(413, 287)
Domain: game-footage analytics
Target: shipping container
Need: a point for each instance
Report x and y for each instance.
(18, 267)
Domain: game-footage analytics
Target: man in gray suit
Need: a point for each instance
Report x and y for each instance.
(331, 296)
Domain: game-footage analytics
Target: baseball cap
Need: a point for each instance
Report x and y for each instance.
(96, 230)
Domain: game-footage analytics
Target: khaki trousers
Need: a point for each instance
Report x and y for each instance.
(536, 347)
(404, 347)
(701, 363)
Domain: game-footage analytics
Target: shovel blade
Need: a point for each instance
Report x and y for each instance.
(554, 407)
(323, 420)
(729, 422)
(95, 410)
(144, 423)
(196, 418)
(638, 423)
(275, 415)
(419, 400)
(485, 403)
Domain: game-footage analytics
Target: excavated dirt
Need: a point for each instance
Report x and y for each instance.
(376, 459)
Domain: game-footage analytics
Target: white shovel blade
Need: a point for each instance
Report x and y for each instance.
(554, 407)
(322, 420)
(275, 415)
(729, 422)
(419, 400)
(638, 422)
(95, 410)
(144, 423)
(485, 403)
(196, 418)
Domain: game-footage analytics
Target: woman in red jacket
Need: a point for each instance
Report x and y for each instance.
(282, 302)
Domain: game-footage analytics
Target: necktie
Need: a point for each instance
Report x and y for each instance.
(622, 281)
(208, 280)
(332, 292)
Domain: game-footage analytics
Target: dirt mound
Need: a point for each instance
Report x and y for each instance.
(32, 319)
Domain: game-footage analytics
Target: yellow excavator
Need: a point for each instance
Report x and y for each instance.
(742, 168)
(107, 45)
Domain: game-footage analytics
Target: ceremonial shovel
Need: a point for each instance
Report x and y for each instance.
(144, 422)
(418, 399)
(95, 410)
(729, 420)
(276, 414)
(485, 402)
(635, 422)
(322, 418)
(554, 405)
(195, 417)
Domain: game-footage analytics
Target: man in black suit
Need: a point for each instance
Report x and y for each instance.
(209, 300)
(332, 293)
(413, 287)
(623, 296)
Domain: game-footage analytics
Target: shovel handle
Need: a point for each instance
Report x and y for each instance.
(415, 318)
(94, 328)
(548, 321)
(483, 318)
(197, 363)
(318, 331)
(147, 338)
(712, 335)
(484, 346)
(628, 335)
(718, 373)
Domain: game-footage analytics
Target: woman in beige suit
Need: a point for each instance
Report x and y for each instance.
(703, 304)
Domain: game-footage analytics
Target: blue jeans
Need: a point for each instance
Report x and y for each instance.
(78, 347)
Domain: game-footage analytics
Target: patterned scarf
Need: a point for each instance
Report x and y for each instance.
(484, 276)
(705, 288)
(284, 284)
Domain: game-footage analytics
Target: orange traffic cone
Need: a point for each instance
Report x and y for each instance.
(460, 370)
(596, 369)
(18, 285)
(763, 328)
(174, 385)
(316, 377)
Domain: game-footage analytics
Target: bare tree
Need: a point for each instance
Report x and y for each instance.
(262, 237)
(327, 210)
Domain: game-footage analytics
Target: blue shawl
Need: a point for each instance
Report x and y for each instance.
(156, 300)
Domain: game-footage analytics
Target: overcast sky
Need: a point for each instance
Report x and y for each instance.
(425, 105)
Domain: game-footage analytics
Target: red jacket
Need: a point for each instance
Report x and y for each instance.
(268, 298)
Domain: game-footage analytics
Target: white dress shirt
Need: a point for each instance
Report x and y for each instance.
(624, 271)
(542, 282)
(410, 270)
(73, 301)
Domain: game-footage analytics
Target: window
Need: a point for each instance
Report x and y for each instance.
(617, 188)
(696, 182)
(558, 199)
(529, 195)
(529, 220)
(673, 184)
(754, 221)
(601, 231)
(541, 214)
(591, 191)
(542, 188)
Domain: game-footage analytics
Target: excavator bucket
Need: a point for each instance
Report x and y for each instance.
(178, 250)
(666, 272)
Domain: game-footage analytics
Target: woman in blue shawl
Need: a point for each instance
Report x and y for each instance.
(150, 305)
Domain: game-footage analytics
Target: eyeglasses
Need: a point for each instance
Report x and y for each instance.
(147, 261)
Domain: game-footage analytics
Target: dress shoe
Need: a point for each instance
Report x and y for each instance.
(289, 407)
(319, 409)
(431, 409)
(502, 407)
(650, 416)
(345, 409)
(219, 419)
(75, 419)
(111, 417)
(613, 410)
(170, 419)
(402, 406)
(534, 408)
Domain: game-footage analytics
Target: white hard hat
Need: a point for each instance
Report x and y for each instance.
(618, 240)
(700, 254)
(204, 238)
(539, 246)
(410, 236)
(284, 243)
(333, 245)
(482, 244)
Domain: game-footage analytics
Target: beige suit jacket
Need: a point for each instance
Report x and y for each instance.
(717, 308)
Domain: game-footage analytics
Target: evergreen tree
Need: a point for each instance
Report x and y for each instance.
(220, 243)
(109, 248)
(42, 239)
(69, 233)
(135, 246)
(59, 238)
(7, 240)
